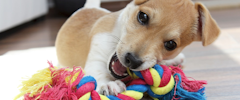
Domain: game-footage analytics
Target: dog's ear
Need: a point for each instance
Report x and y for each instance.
(138, 2)
(207, 29)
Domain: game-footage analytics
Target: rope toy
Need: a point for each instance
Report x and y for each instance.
(159, 82)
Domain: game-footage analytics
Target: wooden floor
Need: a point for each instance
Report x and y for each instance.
(218, 63)
(39, 33)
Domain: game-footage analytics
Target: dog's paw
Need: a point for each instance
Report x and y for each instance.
(175, 61)
(112, 88)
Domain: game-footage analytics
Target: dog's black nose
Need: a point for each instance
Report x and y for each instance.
(132, 61)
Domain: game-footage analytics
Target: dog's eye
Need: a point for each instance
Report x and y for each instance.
(170, 45)
(142, 18)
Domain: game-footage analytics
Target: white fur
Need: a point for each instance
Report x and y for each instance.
(175, 61)
(92, 4)
(148, 60)
(102, 48)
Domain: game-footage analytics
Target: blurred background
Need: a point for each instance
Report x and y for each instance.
(35, 23)
(28, 24)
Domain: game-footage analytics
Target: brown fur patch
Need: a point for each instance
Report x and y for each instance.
(74, 38)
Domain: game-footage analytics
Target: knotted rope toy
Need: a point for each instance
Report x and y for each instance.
(160, 82)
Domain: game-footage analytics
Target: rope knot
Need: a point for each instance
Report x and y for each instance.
(159, 79)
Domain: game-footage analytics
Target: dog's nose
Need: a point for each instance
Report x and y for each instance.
(132, 61)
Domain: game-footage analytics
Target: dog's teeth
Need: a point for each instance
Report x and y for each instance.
(125, 74)
(112, 63)
(114, 70)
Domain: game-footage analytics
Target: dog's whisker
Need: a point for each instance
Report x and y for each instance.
(117, 38)
(111, 42)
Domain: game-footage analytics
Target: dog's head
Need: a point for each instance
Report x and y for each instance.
(156, 30)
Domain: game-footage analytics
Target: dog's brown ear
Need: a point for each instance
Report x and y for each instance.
(208, 30)
(138, 2)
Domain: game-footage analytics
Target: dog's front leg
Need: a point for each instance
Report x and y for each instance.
(106, 84)
(102, 47)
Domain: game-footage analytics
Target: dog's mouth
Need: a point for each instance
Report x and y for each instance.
(116, 68)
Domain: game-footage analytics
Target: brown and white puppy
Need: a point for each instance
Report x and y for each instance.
(142, 34)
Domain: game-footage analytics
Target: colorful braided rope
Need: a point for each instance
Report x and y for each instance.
(156, 81)
(159, 82)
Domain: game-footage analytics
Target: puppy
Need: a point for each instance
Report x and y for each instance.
(144, 33)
